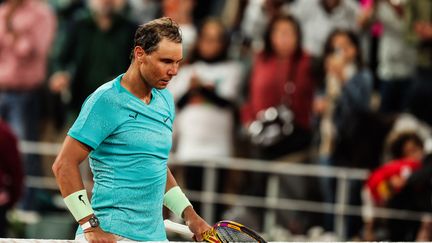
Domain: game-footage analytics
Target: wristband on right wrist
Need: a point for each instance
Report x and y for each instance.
(78, 204)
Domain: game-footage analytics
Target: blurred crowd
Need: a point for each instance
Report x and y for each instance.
(331, 82)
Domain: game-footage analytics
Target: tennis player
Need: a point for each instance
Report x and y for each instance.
(125, 128)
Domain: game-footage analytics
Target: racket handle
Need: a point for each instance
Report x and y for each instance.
(181, 229)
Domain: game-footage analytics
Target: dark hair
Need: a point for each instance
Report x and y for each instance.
(195, 54)
(268, 47)
(150, 34)
(329, 49)
(397, 146)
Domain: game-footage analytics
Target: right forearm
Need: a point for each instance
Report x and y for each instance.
(72, 189)
(66, 171)
(68, 177)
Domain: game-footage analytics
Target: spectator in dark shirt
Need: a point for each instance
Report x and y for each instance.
(418, 19)
(95, 50)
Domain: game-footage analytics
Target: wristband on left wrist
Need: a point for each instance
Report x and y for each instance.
(176, 201)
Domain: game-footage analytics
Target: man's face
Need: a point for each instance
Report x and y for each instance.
(157, 68)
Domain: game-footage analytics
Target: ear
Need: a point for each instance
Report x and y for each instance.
(139, 53)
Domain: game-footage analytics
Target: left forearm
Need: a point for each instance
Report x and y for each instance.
(171, 182)
(174, 198)
(181, 206)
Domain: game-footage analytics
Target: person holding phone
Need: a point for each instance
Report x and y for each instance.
(346, 95)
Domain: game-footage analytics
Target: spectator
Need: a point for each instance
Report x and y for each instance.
(206, 93)
(281, 75)
(94, 51)
(54, 103)
(256, 16)
(418, 18)
(11, 174)
(24, 49)
(143, 11)
(280, 80)
(389, 179)
(396, 56)
(348, 87)
(318, 18)
(182, 13)
(414, 196)
(347, 95)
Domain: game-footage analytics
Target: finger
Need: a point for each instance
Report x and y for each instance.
(198, 238)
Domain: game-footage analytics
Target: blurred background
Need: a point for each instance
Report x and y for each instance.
(303, 119)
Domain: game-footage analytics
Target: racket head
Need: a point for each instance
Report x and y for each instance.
(230, 231)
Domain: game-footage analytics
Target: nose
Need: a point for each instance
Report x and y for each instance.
(173, 69)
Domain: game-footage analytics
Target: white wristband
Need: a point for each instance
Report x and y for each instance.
(78, 204)
(176, 201)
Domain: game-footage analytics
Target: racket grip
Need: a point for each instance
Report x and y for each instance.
(181, 229)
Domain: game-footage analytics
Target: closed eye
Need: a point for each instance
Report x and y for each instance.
(170, 61)
(167, 61)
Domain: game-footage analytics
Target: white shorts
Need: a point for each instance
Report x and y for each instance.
(81, 237)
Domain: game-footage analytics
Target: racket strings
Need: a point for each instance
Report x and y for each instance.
(228, 234)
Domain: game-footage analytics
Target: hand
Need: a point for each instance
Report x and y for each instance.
(368, 232)
(195, 82)
(59, 81)
(397, 182)
(4, 197)
(319, 105)
(335, 66)
(194, 88)
(195, 223)
(97, 235)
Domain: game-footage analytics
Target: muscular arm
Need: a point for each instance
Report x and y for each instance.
(68, 177)
(66, 166)
(171, 182)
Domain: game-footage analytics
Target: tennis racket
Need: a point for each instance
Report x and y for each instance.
(222, 232)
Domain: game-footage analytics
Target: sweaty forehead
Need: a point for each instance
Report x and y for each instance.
(169, 50)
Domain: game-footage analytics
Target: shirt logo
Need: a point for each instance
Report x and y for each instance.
(134, 116)
(80, 198)
(166, 119)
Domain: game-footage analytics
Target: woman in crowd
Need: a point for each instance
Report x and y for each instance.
(281, 75)
(348, 87)
(345, 99)
(206, 92)
(280, 92)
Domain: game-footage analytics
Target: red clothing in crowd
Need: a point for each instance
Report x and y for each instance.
(379, 183)
(11, 170)
(268, 81)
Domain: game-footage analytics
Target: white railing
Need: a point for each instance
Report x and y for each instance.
(271, 202)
